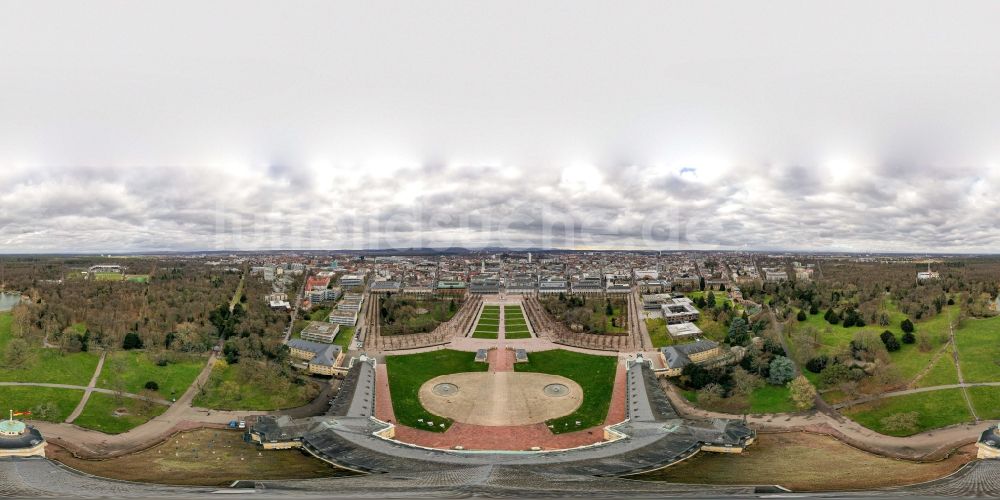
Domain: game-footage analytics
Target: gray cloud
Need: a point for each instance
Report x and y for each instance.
(641, 124)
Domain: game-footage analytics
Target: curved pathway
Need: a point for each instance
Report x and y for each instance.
(179, 416)
(931, 445)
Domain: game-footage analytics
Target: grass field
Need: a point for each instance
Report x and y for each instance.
(979, 349)
(46, 365)
(227, 389)
(805, 462)
(909, 360)
(488, 326)
(765, 399)
(140, 367)
(99, 413)
(942, 373)
(137, 278)
(657, 328)
(934, 409)
(108, 276)
(596, 376)
(6, 321)
(344, 337)
(28, 398)
(50, 366)
(771, 399)
(205, 457)
(515, 324)
(408, 373)
(986, 400)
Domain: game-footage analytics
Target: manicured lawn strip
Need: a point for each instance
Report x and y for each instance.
(943, 372)
(935, 409)
(979, 349)
(657, 328)
(408, 373)
(517, 334)
(50, 366)
(28, 399)
(344, 337)
(595, 374)
(771, 399)
(488, 326)
(986, 400)
(98, 414)
(140, 367)
(226, 390)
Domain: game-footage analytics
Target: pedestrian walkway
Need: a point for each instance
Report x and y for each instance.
(90, 388)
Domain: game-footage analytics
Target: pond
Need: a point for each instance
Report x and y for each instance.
(9, 300)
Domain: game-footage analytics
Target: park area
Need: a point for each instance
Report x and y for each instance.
(407, 374)
(515, 323)
(407, 315)
(595, 376)
(488, 326)
(164, 375)
(33, 363)
(979, 358)
(206, 457)
(113, 415)
(248, 385)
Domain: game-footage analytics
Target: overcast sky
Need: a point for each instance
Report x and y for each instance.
(190, 125)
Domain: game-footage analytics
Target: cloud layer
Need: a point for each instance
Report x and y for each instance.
(225, 125)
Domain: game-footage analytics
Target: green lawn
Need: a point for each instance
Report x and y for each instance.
(909, 360)
(137, 278)
(28, 398)
(488, 326)
(50, 366)
(344, 337)
(6, 321)
(986, 400)
(99, 413)
(515, 324)
(935, 409)
(771, 399)
(408, 373)
(228, 389)
(942, 373)
(109, 276)
(979, 349)
(595, 374)
(657, 328)
(140, 367)
(46, 365)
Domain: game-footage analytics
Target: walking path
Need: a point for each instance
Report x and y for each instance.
(931, 445)
(180, 416)
(87, 390)
(90, 388)
(917, 390)
(958, 366)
